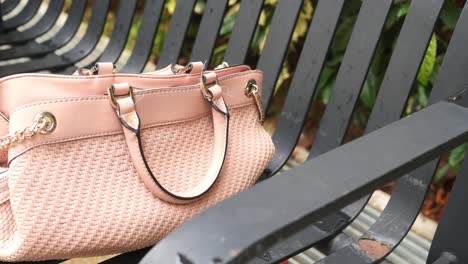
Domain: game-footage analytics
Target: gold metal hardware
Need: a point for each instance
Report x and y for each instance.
(95, 69)
(113, 100)
(44, 123)
(178, 69)
(206, 93)
(47, 123)
(222, 66)
(251, 89)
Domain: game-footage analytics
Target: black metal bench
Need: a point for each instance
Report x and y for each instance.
(309, 205)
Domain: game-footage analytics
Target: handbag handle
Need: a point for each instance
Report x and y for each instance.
(121, 96)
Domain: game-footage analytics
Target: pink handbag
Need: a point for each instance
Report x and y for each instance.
(104, 163)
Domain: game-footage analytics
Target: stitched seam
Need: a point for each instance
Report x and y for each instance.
(112, 132)
(96, 98)
(99, 98)
(139, 76)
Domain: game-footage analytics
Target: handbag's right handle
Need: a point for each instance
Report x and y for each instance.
(128, 116)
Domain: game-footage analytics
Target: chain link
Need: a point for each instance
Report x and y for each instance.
(44, 123)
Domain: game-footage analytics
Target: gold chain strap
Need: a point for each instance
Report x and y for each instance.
(44, 123)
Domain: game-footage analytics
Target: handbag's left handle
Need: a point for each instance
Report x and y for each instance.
(122, 99)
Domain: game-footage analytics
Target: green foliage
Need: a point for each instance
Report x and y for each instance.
(397, 13)
(455, 159)
(450, 14)
(425, 72)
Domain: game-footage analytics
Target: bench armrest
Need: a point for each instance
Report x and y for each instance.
(242, 226)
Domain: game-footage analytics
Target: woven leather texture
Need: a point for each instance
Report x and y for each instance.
(84, 197)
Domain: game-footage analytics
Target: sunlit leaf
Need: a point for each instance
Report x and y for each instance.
(303, 21)
(170, 6)
(457, 155)
(327, 92)
(199, 7)
(262, 19)
(425, 72)
(442, 172)
(284, 75)
(301, 29)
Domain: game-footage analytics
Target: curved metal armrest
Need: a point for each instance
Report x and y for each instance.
(238, 228)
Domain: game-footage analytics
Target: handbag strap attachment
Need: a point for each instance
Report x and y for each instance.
(122, 99)
(100, 68)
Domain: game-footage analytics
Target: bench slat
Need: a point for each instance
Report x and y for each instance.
(320, 187)
(91, 36)
(82, 49)
(277, 42)
(243, 31)
(403, 67)
(210, 24)
(146, 33)
(452, 228)
(351, 76)
(23, 16)
(305, 80)
(62, 37)
(42, 26)
(120, 31)
(9, 5)
(410, 190)
(176, 33)
(118, 39)
(452, 78)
